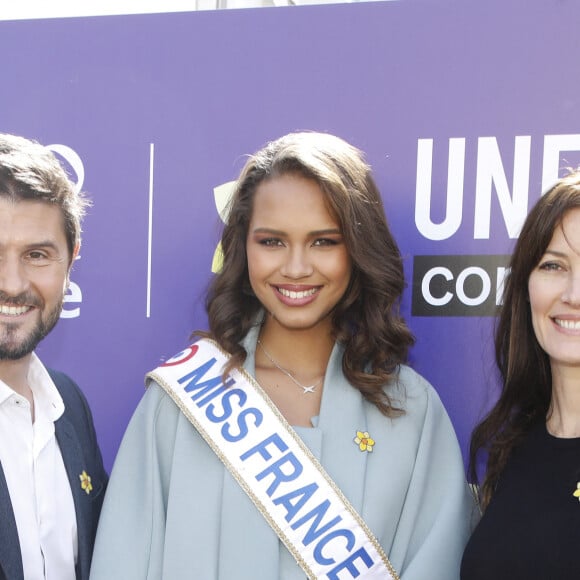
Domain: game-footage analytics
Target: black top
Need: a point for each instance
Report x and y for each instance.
(531, 528)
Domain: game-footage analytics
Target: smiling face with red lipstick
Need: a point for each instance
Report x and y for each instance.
(298, 263)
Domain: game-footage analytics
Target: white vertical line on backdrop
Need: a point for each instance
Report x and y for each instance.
(150, 228)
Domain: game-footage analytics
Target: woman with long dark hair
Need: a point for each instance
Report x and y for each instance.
(531, 489)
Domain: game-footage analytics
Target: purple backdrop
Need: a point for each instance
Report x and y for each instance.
(470, 86)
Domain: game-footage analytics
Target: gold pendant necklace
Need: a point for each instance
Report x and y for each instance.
(305, 389)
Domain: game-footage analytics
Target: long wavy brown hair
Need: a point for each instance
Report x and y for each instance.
(367, 320)
(524, 367)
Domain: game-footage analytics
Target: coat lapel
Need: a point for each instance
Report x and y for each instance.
(10, 558)
(342, 414)
(72, 455)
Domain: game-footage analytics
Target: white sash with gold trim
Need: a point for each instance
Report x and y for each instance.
(290, 488)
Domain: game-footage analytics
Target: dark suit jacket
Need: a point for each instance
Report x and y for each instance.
(77, 440)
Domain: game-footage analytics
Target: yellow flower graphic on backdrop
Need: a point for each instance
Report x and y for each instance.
(364, 441)
(86, 482)
(222, 195)
(577, 492)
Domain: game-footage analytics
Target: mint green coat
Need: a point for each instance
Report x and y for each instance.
(173, 512)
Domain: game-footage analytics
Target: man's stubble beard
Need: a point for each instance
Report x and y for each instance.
(16, 351)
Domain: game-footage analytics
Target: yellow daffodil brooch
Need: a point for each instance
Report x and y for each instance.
(86, 482)
(364, 441)
(577, 491)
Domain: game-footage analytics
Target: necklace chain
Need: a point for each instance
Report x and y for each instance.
(306, 389)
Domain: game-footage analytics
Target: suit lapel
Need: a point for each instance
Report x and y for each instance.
(10, 557)
(342, 414)
(72, 455)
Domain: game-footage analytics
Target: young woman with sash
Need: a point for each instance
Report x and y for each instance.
(291, 440)
(531, 438)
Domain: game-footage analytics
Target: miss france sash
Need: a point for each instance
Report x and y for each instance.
(299, 500)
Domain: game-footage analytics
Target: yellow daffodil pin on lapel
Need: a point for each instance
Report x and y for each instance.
(86, 482)
(577, 491)
(364, 441)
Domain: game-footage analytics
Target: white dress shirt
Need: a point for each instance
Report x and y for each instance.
(36, 477)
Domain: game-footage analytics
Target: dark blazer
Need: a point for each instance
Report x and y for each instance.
(77, 440)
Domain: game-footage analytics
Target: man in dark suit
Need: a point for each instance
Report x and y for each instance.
(52, 479)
